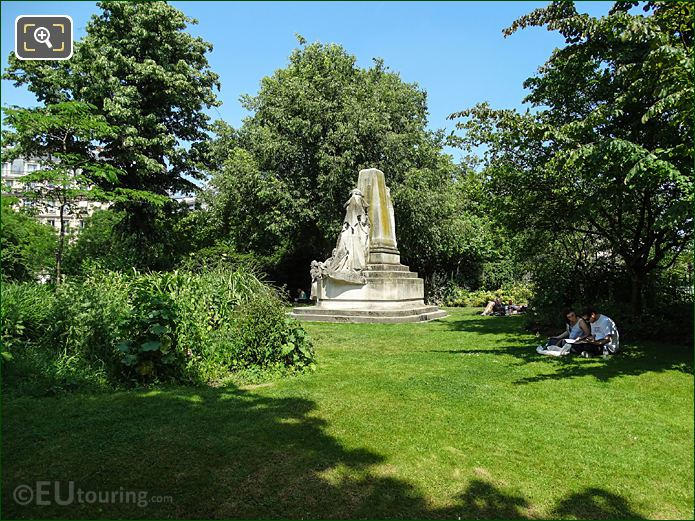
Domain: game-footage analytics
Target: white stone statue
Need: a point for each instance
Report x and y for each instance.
(350, 254)
(363, 280)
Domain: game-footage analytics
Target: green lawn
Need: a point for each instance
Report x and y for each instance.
(458, 418)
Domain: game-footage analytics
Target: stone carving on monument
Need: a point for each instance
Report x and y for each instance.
(363, 280)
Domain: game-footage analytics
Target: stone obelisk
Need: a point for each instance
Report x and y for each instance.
(364, 280)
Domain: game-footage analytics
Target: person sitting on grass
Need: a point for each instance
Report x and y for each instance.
(576, 329)
(494, 307)
(513, 309)
(604, 338)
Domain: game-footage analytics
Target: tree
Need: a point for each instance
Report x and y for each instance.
(608, 152)
(280, 181)
(444, 229)
(28, 247)
(174, 235)
(150, 78)
(63, 136)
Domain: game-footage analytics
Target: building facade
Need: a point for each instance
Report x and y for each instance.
(47, 212)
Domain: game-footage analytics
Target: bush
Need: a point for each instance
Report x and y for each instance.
(27, 246)
(519, 293)
(31, 364)
(24, 310)
(178, 326)
(266, 336)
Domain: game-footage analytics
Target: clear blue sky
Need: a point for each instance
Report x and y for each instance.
(454, 50)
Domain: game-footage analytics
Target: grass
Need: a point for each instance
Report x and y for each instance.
(458, 418)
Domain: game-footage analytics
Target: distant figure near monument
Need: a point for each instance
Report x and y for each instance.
(363, 280)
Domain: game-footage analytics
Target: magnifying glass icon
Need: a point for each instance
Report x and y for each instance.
(42, 35)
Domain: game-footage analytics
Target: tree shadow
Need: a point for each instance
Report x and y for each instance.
(483, 500)
(221, 453)
(594, 503)
(508, 325)
(634, 359)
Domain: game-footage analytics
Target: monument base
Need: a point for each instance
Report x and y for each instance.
(392, 294)
(419, 314)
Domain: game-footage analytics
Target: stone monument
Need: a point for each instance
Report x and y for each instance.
(363, 280)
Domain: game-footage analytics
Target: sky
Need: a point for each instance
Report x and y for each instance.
(453, 50)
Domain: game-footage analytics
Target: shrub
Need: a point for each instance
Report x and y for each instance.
(24, 310)
(177, 326)
(519, 293)
(27, 246)
(266, 336)
(31, 363)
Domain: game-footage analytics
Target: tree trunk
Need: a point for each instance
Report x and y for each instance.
(61, 243)
(637, 278)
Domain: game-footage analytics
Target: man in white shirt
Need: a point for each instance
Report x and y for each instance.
(604, 338)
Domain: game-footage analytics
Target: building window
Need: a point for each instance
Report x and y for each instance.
(18, 166)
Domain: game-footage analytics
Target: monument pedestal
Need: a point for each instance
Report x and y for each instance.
(392, 294)
(383, 290)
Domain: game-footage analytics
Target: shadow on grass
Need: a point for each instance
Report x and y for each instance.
(223, 453)
(594, 503)
(634, 359)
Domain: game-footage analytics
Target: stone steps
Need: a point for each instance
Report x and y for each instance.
(386, 267)
(383, 274)
(313, 310)
(396, 316)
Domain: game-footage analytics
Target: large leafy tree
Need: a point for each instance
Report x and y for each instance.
(64, 136)
(608, 151)
(282, 178)
(147, 76)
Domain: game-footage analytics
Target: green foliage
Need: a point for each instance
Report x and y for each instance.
(562, 279)
(147, 77)
(280, 181)
(441, 227)
(25, 311)
(608, 153)
(517, 293)
(100, 244)
(31, 364)
(219, 255)
(177, 326)
(266, 336)
(107, 241)
(27, 247)
(64, 135)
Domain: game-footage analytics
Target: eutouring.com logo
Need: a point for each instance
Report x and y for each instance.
(64, 493)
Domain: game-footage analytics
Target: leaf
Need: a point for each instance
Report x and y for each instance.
(303, 348)
(158, 329)
(287, 348)
(124, 347)
(166, 343)
(152, 345)
(129, 360)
